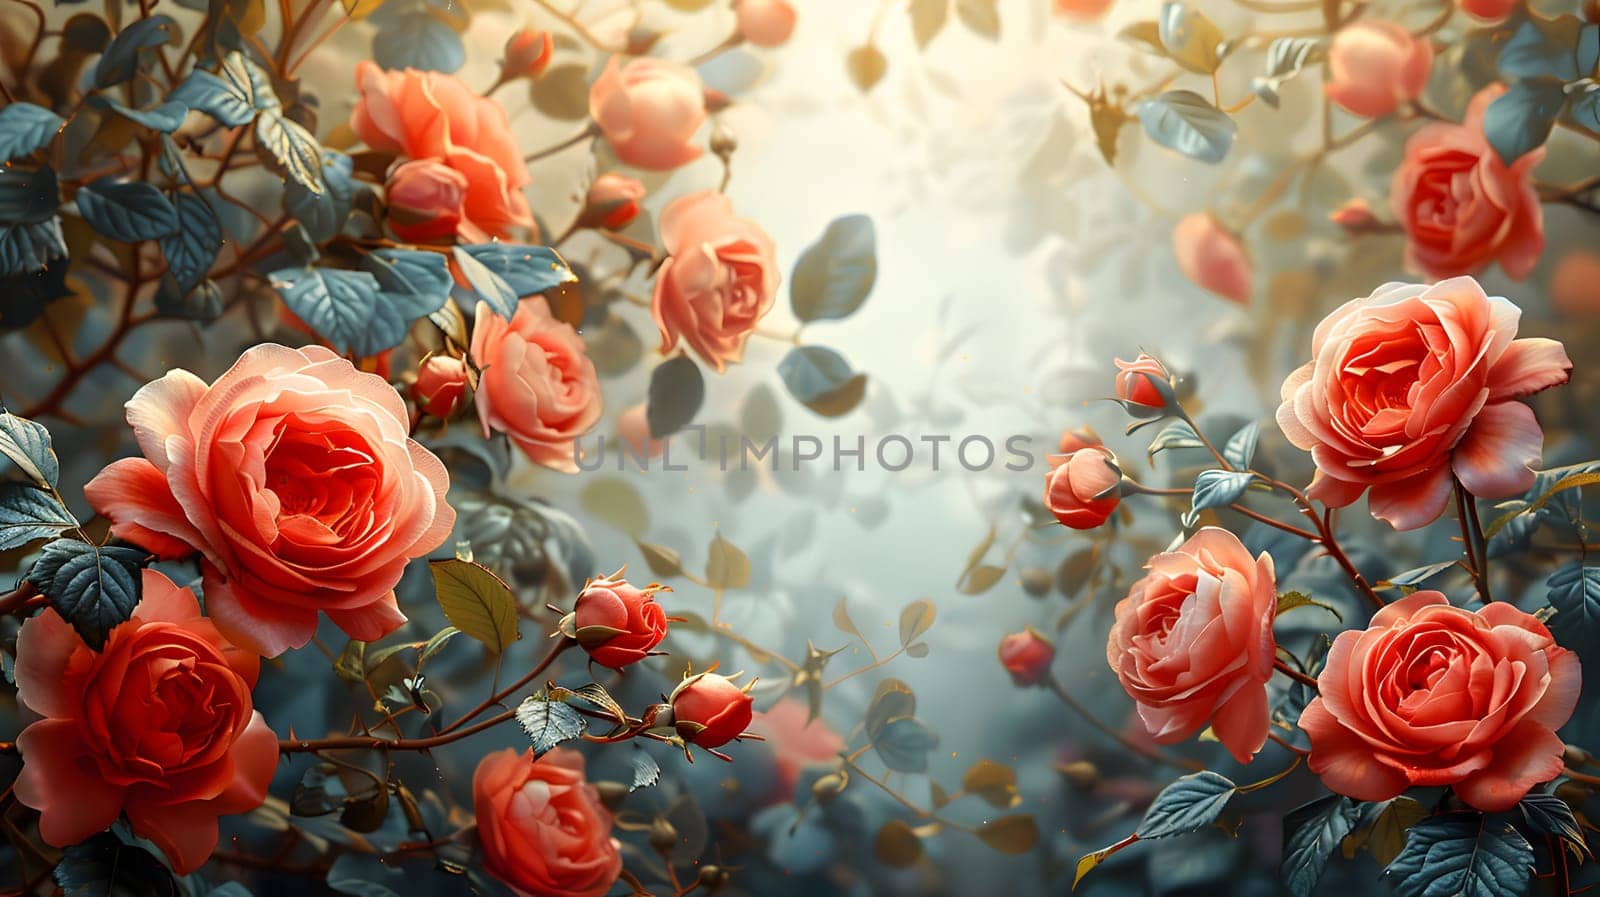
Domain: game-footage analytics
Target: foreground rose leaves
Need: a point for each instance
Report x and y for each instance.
(1193, 642)
(1412, 385)
(1461, 206)
(543, 829)
(433, 116)
(720, 278)
(158, 726)
(1432, 694)
(538, 385)
(294, 478)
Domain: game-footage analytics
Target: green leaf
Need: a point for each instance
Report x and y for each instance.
(487, 286)
(1311, 833)
(1575, 595)
(120, 61)
(1191, 39)
(727, 567)
(835, 274)
(821, 379)
(1570, 481)
(105, 865)
(1462, 854)
(477, 602)
(903, 744)
(1288, 601)
(1415, 576)
(1559, 48)
(1519, 120)
(527, 270)
(1216, 489)
(549, 723)
(28, 513)
(1240, 449)
(1187, 122)
(295, 151)
(27, 444)
(662, 561)
(193, 246)
(25, 129)
(1176, 435)
(1187, 805)
(1550, 815)
(341, 306)
(128, 211)
(677, 390)
(93, 588)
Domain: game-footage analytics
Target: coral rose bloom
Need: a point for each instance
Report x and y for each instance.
(158, 726)
(429, 115)
(1373, 67)
(1432, 694)
(721, 278)
(543, 829)
(538, 387)
(649, 111)
(1461, 207)
(1413, 384)
(1193, 642)
(294, 478)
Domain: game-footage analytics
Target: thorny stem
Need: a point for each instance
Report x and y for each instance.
(555, 651)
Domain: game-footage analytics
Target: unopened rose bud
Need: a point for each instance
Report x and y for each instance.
(1144, 387)
(1213, 257)
(612, 202)
(716, 100)
(618, 623)
(1080, 438)
(1356, 217)
(1027, 656)
(1080, 774)
(710, 710)
(528, 54)
(441, 383)
(765, 23)
(426, 200)
(1082, 491)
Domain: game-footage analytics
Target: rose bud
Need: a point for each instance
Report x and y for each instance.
(1082, 490)
(1212, 257)
(528, 54)
(426, 198)
(1356, 217)
(1081, 438)
(612, 202)
(1144, 386)
(1082, 11)
(1027, 656)
(765, 23)
(1374, 67)
(710, 710)
(618, 623)
(441, 382)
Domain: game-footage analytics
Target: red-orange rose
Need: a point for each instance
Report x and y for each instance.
(294, 479)
(617, 622)
(158, 726)
(1027, 656)
(1461, 206)
(538, 385)
(441, 384)
(1431, 694)
(709, 710)
(1193, 642)
(720, 279)
(543, 829)
(1082, 490)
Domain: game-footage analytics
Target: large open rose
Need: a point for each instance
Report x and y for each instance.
(543, 829)
(1432, 694)
(433, 116)
(1193, 642)
(720, 279)
(294, 478)
(1461, 206)
(158, 725)
(538, 385)
(1413, 384)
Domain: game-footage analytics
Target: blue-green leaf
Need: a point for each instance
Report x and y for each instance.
(121, 59)
(94, 588)
(106, 864)
(232, 96)
(835, 274)
(821, 379)
(1547, 48)
(165, 117)
(1585, 107)
(1215, 489)
(341, 306)
(1462, 855)
(903, 744)
(295, 151)
(1311, 833)
(526, 269)
(1575, 595)
(26, 249)
(201, 302)
(1187, 805)
(646, 771)
(549, 723)
(415, 283)
(27, 444)
(193, 246)
(1550, 815)
(323, 214)
(677, 389)
(28, 197)
(28, 513)
(128, 211)
(1187, 122)
(25, 128)
(418, 40)
(1519, 120)
(485, 285)
(1176, 435)
(1240, 449)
